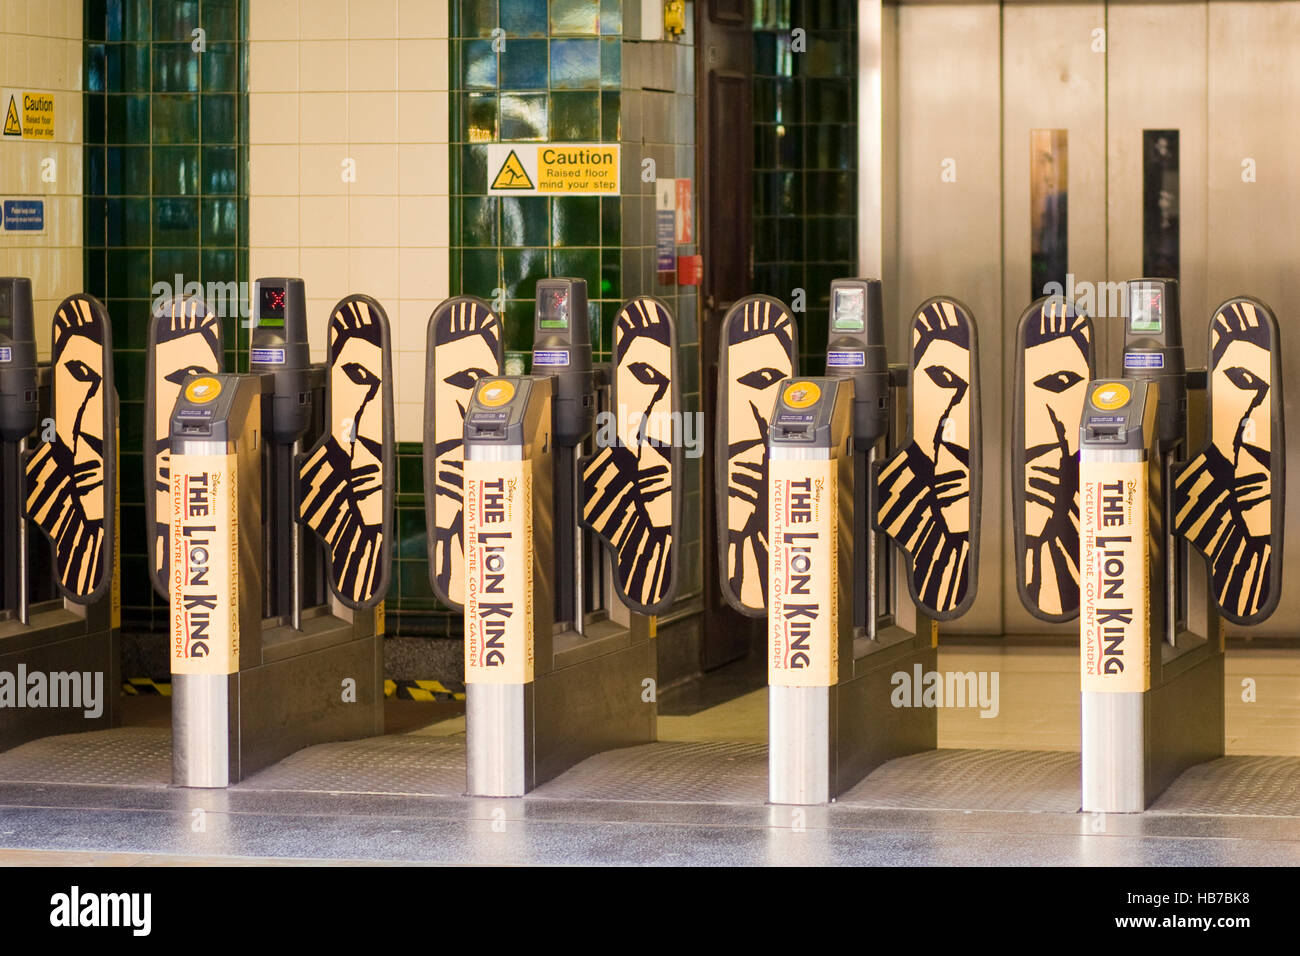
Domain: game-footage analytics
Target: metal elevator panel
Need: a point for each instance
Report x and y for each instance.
(1254, 227)
(949, 224)
(964, 85)
(1051, 79)
(1157, 78)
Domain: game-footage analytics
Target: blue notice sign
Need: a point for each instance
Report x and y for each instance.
(23, 215)
(1144, 360)
(551, 357)
(266, 356)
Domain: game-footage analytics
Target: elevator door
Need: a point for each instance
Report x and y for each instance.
(725, 164)
(1163, 126)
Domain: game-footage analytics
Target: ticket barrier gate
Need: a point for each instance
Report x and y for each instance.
(60, 607)
(1106, 516)
(558, 559)
(804, 511)
(263, 664)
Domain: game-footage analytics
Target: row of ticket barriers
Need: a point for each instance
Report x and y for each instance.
(847, 502)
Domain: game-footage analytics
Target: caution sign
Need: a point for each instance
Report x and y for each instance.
(512, 176)
(1115, 616)
(13, 126)
(498, 572)
(547, 169)
(204, 565)
(28, 114)
(803, 584)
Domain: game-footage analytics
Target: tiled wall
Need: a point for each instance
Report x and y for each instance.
(349, 190)
(40, 50)
(166, 195)
(567, 73)
(805, 156)
(348, 148)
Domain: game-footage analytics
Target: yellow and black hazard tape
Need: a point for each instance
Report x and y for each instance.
(399, 689)
(146, 687)
(424, 690)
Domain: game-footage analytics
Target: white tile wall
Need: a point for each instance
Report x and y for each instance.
(362, 82)
(41, 50)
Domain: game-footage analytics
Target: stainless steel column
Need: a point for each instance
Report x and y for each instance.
(1114, 738)
(799, 728)
(498, 725)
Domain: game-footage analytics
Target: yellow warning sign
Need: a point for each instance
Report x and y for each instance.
(554, 168)
(38, 116)
(28, 115)
(512, 175)
(12, 126)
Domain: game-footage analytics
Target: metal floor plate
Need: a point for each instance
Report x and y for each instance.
(397, 764)
(668, 772)
(1236, 786)
(1024, 781)
(121, 757)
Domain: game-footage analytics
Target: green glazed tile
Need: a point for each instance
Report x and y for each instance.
(168, 263)
(575, 117)
(473, 170)
(575, 64)
(575, 221)
(481, 114)
(480, 269)
(176, 222)
(519, 325)
(221, 19)
(175, 118)
(520, 270)
(611, 129)
(611, 63)
(478, 221)
(524, 220)
(219, 174)
(128, 119)
(175, 68)
(95, 107)
(611, 17)
(220, 221)
(523, 18)
(136, 222)
(611, 275)
(220, 68)
(575, 17)
(174, 19)
(611, 220)
(524, 65)
(478, 63)
(477, 18)
(410, 475)
(580, 264)
(175, 170)
(220, 114)
(410, 534)
(524, 117)
(218, 265)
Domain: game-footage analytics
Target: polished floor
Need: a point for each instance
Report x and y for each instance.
(998, 791)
